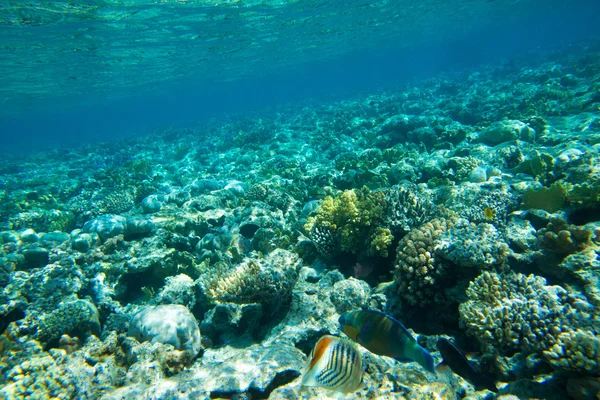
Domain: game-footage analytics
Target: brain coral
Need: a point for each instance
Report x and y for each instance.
(416, 266)
(167, 323)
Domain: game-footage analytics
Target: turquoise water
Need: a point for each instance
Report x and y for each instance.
(101, 69)
(300, 200)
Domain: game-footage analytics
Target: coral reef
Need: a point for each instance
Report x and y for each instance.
(466, 205)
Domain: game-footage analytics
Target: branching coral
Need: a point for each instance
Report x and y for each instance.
(354, 218)
(513, 312)
(576, 350)
(563, 239)
(405, 209)
(417, 268)
(268, 282)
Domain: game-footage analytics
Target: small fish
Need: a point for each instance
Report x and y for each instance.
(381, 334)
(456, 360)
(335, 363)
(14, 315)
(362, 270)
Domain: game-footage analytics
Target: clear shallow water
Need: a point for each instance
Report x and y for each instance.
(78, 71)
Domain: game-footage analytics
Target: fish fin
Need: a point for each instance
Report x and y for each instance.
(486, 382)
(403, 359)
(444, 373)
(443, 368)
(364, 332)
(421, 356)
(396, 322)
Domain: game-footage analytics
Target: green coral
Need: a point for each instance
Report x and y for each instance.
(539, 165)
(586, 194)
(76, 317)
(550, 199)
(141, 167)
(356, 218)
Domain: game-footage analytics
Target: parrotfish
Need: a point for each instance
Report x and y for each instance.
(334, 363)
(456, 360)
(381, 334)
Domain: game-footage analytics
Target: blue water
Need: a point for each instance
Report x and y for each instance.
(31, 122)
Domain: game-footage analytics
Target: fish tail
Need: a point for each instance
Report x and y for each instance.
(425, 360)
(485, 382)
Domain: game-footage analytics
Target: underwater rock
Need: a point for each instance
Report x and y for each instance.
(473, 246)
(349, 294)
(151, 204)
(34, 258)
(82, 241)
(522, 235)
(478, 175)
(236, 187)
(483, 174)
(248, 230)
(137, 227)
(106, 226)
(207, 185)
(171, 324)
(55, 238)
(228, 321)
(29, 236)
(258, 368)
(310, 207)
(9, 237)
(504, 131)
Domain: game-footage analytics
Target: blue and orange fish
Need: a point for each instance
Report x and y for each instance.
(381, 334)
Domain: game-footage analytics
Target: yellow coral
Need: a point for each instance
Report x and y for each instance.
(356, 217)
(380, 242)
(550, 199)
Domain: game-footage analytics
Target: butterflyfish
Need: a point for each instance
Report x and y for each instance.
(334, 363)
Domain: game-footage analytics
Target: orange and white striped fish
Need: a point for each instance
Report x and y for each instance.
(335, 363)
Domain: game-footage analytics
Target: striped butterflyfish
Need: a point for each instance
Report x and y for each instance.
(334, 363)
